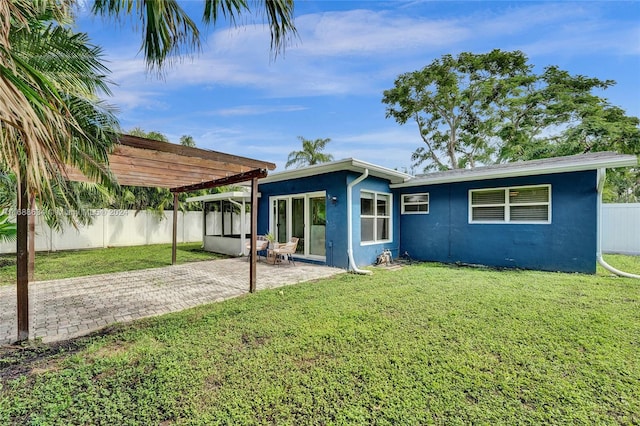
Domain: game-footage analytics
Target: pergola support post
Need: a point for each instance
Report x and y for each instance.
(252, 175)
(254, 233)
(22, 261)
(174, 240)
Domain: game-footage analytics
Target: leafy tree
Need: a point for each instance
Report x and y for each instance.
(455, 101)
(310, 154)
(561, 116)
(156, 136)
(478, 109)
(187, 140)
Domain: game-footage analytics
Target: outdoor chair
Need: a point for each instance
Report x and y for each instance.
(262, 245)
(286, 251)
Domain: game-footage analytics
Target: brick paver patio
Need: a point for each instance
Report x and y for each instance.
(66, 308)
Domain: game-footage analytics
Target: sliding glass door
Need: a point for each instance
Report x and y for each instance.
(302, 216)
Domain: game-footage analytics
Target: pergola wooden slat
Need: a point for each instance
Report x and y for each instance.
(139, 161)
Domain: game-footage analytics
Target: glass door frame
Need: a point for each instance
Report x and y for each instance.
(273, 217)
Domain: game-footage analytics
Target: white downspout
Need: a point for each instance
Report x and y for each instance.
(602, 174)
(352, 262)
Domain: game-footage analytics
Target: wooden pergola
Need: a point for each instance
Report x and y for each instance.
(137, 161)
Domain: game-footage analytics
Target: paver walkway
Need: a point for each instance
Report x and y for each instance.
(66, 308)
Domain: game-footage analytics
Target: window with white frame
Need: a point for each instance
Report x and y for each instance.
(522, 204)
(415, 203)
(375, 217)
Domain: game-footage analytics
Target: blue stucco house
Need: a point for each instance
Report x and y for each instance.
(541, 214)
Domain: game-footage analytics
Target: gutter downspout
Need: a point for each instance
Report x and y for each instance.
(602, 174)
(352, 262)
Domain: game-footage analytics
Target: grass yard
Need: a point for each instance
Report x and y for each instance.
(77, 263)
(426, 344)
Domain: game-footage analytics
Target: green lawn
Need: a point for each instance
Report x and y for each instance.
(426, 344)
(76, 263)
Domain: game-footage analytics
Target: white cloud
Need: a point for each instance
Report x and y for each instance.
(257, 110)
(352, 52)
(360, 52)
(370, 33)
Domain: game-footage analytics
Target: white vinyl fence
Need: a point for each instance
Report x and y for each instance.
(621, 228)
(112, 228)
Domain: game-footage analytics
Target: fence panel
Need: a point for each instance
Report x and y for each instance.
(621, 228)
(112, 228)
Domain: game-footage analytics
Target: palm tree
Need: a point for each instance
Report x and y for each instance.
(50, 114)
(168, 31)
(39, 133)
(310, 154)
(7, 228)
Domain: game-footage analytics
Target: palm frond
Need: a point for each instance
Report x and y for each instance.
(49, 110)
(167, 29)
(279, 16)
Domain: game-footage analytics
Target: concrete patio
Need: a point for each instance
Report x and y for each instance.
(66, 308)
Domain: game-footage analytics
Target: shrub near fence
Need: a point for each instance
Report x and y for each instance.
(116, 228)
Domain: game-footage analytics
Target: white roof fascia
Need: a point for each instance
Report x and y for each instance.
(220, 196)
(350, 164)
(524, 169)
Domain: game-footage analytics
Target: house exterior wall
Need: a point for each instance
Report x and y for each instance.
(335, 184)
(336, 225)
(566, 244)
(366, 253)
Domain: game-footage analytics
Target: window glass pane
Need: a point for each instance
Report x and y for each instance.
(226, 221)
(297, 219)
(416, 208)
(318, 211)
(382, 203)
(281, 224)
(366, 229)
(487, 197)
(488, 213)
(530, 213)
(213, 218)
(382, 230)
(529, 195)
(416, 198)
(366, 203)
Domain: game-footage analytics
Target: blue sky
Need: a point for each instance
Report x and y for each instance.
(232, 97)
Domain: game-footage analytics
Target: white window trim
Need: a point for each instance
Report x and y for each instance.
(375, 216)
(415, 203)
(506, 206)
